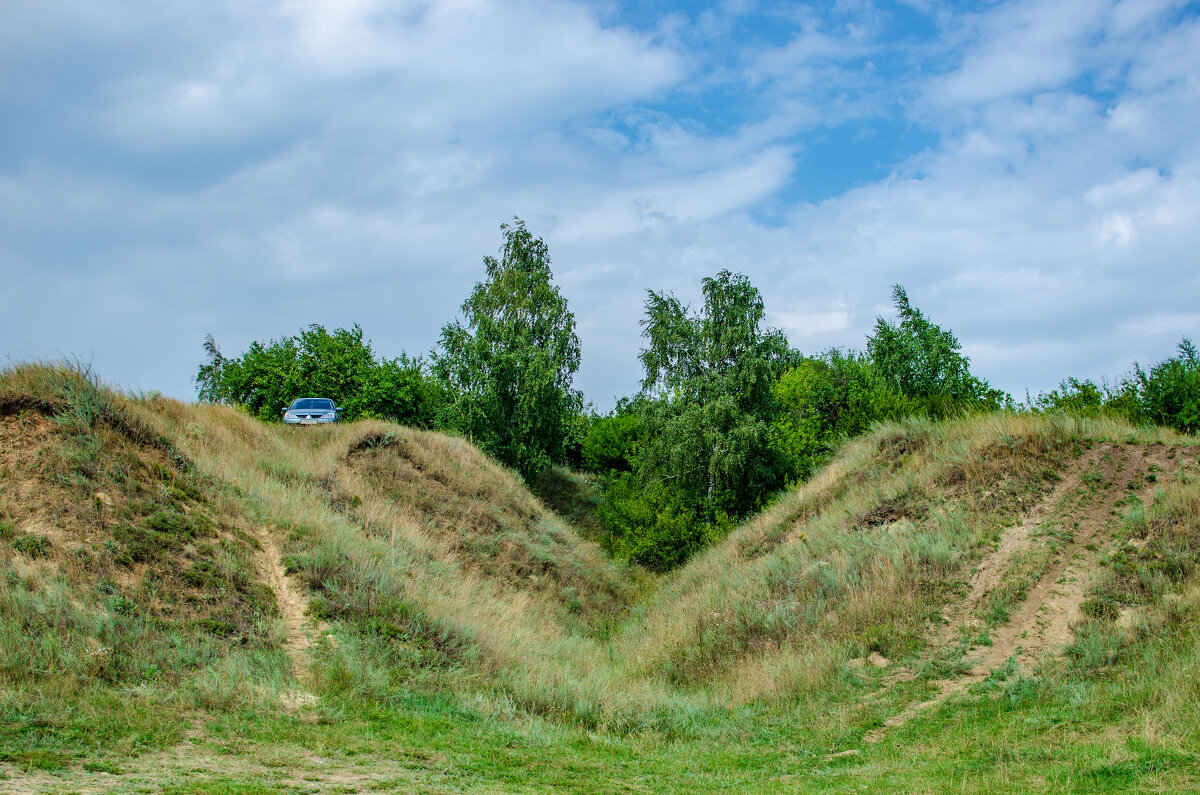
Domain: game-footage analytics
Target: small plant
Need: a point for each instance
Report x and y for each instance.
(32, 545)
(1096, 647)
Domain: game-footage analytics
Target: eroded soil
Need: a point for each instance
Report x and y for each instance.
(1069, 529)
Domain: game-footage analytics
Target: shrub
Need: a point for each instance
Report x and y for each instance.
(339, 365)
(32, 545)
(655, 527)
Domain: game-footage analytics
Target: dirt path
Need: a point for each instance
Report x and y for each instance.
(293, 604)
(197, 764)
(1083, 507)
(196, 759)
(989, 574)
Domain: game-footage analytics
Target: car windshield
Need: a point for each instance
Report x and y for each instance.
(311, 404)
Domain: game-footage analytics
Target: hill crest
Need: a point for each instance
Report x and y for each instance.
(193, 550)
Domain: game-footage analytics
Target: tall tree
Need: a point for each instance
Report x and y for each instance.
(510, 367)
(709, 379)
(919, 359)
(703, 454)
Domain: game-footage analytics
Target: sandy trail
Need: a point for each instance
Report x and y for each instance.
(291, 600)
(293, 605)
(194, 760)
(1086, 501)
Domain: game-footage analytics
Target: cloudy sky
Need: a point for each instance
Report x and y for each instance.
(1030, 171)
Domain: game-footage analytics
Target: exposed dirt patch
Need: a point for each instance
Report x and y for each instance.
(990, 572)
(198, 763)
(293, 606)
(1080, 514)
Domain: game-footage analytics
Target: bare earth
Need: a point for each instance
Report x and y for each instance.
(293, 604)
(1081, 511)
(1087, 497)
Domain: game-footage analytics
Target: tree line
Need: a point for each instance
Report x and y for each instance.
(727, 414)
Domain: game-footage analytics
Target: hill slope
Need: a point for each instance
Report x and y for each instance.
(168, 567)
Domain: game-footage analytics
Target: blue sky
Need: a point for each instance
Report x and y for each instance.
(1030, 171)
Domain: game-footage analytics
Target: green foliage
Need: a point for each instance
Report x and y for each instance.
(610, 443)
(912, 367)
(695, 447)
(509, 369)
(919, 359)
(316, 363)
(826, 399)
(728, 412)
(1170, 392)
(709, 396)
(652, 524)
(1080, 398)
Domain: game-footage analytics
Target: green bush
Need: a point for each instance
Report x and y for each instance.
(655, 527)
(827, 399)
(611, 442)
(32, 545)
(1170, 392)
(316, 363)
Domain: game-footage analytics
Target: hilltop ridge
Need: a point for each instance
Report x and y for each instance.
(179, 565)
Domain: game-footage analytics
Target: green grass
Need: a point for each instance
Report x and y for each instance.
(475, 641)
(1062, 730)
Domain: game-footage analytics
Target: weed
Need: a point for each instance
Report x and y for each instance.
(32, 545)
(1095, 647)
(35, 760)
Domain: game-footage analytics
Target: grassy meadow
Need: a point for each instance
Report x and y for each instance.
(433, 626)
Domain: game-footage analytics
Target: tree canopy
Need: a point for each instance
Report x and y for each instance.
(509, 368)
(919, 359)
(317, 363)
(727, 413)
(703, 452)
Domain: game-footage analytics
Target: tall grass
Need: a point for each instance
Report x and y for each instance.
(122, 570)
(858, 560)
(435, 569)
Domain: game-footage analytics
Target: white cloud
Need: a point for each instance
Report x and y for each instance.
(1022, 47)
(356, 67)
(245, 170)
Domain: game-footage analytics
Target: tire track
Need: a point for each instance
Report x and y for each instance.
(1086, 499)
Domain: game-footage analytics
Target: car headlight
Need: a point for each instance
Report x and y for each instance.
(329, 416)
(289, 416)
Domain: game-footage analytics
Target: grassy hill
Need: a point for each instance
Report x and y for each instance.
(194, 599)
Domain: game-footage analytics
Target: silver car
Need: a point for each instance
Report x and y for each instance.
(311, 411)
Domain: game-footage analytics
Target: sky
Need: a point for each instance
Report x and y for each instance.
(1029, 171)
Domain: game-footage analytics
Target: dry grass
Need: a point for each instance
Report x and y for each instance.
(123, 561)
(438, 569)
